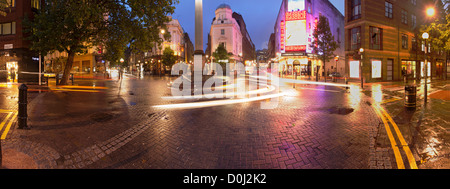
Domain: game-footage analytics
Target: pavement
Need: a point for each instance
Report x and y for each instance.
(112, 124)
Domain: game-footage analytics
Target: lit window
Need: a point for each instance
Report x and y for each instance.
(6, 29)
(376, 69)
(11, 3)
(36, 4)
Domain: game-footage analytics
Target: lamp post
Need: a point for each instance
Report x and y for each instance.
(361, 51)
(425, 36)
(160, 50)
(120, 68)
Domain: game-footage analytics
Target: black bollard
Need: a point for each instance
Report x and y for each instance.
(23, 102)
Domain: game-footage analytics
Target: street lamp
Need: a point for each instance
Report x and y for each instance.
(431, 11)
(425, 36)
(361, 50)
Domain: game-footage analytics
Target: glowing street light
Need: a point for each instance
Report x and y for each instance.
(431, 11)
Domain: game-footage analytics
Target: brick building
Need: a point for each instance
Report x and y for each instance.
(17, 62)
(388, 31)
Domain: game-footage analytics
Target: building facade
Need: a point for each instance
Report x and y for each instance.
(226, 30)
(293, 35)
(388, 33)
(179, 42)
(17, 62)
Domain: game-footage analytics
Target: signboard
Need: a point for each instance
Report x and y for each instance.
(296, 15)
(295, 5)
(8, 46)
(296, 36)
(282, 35)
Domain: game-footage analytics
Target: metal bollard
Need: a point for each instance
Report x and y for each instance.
(23, 102)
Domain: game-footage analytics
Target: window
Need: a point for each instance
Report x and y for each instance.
(8, 28)
(388, 9)
(11, 3)
(355, 38)
(376, 68)
(414, 2)
(375, 38)
(356, 9)
(413, 20)
(222, 31)
(36, 4)
(404, 42)
(404, 16)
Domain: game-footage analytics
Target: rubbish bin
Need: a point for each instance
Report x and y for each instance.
(410, 96)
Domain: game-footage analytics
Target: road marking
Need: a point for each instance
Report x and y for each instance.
(3, 137)
(73, 90)
(398, 156)
(405, 146)
(391, 100)
(5, 120)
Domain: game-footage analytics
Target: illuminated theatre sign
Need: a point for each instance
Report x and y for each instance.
(294, 36)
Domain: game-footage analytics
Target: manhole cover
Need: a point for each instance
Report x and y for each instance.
(101, 117)
(340, 110)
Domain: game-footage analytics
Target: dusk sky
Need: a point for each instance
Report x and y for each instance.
(259, 16)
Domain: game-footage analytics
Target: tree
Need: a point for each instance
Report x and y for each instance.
(439, 30)
(324, 44)
(168, 57)
(75, 26)
(221, 56)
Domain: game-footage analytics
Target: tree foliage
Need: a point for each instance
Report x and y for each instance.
(324, 44)
(168, 57)
(75, 26)
(221, 53)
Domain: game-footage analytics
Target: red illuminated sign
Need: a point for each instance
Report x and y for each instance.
(296, 15)
(296, 48)
(282, 35)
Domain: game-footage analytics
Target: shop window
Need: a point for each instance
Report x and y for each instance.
(376, 69)
(354, 69)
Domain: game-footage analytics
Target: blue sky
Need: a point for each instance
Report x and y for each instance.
(259, 16)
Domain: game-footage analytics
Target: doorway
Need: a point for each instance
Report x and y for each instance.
(390, 70)
(12, 69)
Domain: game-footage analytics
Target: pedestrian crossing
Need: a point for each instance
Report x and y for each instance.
(7, 118)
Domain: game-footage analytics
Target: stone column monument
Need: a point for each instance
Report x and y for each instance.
(199, 60)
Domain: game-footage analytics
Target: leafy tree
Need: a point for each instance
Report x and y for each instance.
(168, 57)
(221, 53)
(75, 26)
(439, 29)
(324, 44)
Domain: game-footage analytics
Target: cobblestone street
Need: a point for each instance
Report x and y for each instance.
(313, 127)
